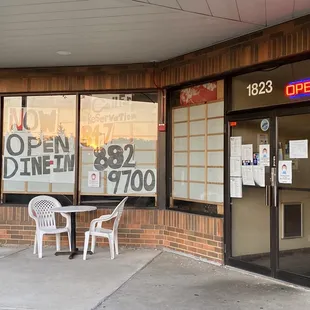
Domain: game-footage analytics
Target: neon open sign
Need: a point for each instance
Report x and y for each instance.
(298, 89)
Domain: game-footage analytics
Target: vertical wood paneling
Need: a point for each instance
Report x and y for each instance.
(271, 44)
(68, 79)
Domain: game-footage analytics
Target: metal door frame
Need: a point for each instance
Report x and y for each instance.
(273, 113)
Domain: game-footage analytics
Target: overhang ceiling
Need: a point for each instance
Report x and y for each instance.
(126, 31)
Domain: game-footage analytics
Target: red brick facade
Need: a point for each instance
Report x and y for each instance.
(197, 235)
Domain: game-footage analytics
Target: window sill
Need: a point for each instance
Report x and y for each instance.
(12, 205)
(197, 212)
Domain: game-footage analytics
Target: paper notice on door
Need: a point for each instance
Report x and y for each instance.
(259, 175)
(235, 166)
(247, 152)
(285, 172)
(235, 146)
(262, 139)
(264, 155)
(298, 148)
(235, 187)
(255, 159)
(247, 175)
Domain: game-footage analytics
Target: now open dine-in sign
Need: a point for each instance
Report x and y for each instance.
(36, 147)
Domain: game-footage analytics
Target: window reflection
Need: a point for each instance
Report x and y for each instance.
(38, 147)
(118, 148)
(118, 135)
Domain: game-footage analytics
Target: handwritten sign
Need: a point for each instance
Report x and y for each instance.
(38, 159)
(33, 119)
(122, 174)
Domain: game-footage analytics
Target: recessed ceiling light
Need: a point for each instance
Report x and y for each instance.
(64, 53)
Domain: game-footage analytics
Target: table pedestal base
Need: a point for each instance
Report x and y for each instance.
(73, 253)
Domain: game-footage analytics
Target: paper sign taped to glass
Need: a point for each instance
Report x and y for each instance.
(298, 149)
(264, 155)
(247, 152)
(93, 178)
(253, 175)
(248, 176)
(235, 187)
(122, 175)
(236, 146)
(38, 158)
(235, 166)
(259, 175)
(285, 172)
(118, 139)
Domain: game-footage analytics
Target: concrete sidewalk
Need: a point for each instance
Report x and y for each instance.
(136, 279)
(57, 283)
(176, 282)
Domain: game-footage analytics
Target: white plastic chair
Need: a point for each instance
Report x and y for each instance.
(96, 230)
(40, 209)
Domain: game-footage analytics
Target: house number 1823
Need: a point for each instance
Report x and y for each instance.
(260, 88)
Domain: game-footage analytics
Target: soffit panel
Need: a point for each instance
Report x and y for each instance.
(80, 14)
(65, 6)
(253, 11)
(124, 31)
(109, 49)
(91, 21)
(168, 3)
(279, 11)
(4, 3)
(197, 6)
(224, 9)
(301, 7)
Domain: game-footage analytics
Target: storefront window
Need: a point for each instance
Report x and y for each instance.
(197, 118)
(118, 149)
(38, 147)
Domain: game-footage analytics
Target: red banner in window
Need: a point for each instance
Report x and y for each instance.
(198, 94)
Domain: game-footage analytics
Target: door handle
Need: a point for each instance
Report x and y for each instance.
(275, 198)
(274, 186)
(267, 196)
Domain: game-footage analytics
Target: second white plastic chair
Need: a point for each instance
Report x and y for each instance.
(96, 230)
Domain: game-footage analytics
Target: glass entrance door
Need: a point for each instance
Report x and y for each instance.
(251, 153)
(268, 200)
(294, 197)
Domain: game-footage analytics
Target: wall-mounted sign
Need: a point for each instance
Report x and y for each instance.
(264, 124)
(261, 88)
(274, 86)
(198, 94)
(298, 89)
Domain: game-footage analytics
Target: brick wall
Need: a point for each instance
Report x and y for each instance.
(198, 235)
(194, 234)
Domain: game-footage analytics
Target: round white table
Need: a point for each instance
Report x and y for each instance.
(73, 210)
